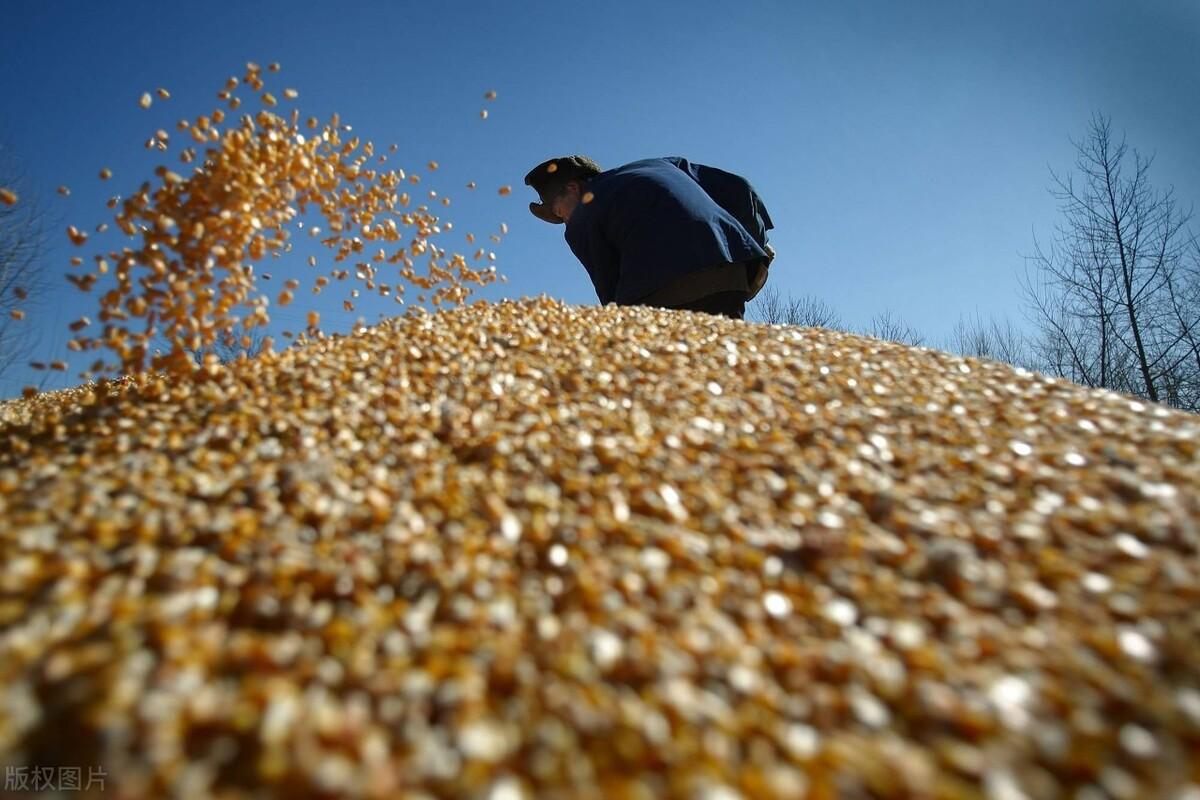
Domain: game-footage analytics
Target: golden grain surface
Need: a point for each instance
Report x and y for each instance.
(536, 550)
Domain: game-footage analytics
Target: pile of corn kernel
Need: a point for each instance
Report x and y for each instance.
(531, 550)
(189, 280)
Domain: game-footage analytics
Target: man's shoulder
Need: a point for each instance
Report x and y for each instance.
(663, 171)
(661, 162)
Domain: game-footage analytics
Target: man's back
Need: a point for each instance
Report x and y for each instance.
(650, 223)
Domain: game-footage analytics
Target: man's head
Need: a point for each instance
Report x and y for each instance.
(559, 183)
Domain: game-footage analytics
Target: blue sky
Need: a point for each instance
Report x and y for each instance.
(902, 148)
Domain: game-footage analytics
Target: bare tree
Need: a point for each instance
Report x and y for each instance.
(887, 325)
(1183, 294)
(808, 311)
(22, 280)
(1112, 293)
(999, 340)
(229, 347)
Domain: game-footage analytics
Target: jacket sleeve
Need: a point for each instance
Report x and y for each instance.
(732, 193)
(600, 259)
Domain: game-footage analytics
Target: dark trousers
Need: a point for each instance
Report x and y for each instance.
(725, 304)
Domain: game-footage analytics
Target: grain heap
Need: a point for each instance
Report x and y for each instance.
(529, 549)
(189, 281)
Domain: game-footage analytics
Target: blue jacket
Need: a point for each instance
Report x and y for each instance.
(655, 221)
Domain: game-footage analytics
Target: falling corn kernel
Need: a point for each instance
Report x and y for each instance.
(471, 185)
(269, 99)
(588, 197)
(164, 94)
(64, 191)
(145, 100)
(314, 319)
(8, 197)
(17, 314)
(233, 209)
(77, 237)
(505, 190)
(273, 66)
(290, 94)
(504, 228)
(483, 114)
(489, 95)
(552, 167)
(433, 165)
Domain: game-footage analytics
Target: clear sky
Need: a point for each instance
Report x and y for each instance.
(902, 148)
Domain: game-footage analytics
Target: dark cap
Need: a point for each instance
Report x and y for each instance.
(550, 176)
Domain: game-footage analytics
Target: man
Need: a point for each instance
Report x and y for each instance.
(661, 232)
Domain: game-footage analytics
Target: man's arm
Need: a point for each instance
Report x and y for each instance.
(599, 258)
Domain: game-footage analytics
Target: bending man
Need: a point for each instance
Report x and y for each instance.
(661, 232)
